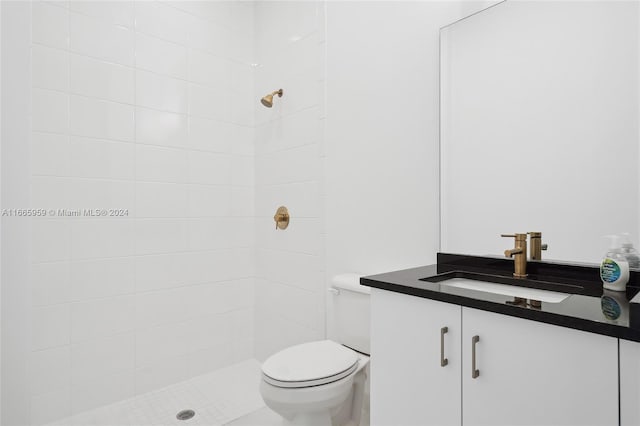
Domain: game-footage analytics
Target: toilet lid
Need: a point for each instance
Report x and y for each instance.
(310, 364)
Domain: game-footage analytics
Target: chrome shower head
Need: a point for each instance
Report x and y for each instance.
(268, 99)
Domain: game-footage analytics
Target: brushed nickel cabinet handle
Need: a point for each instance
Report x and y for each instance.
(474, 371)
(443, 361)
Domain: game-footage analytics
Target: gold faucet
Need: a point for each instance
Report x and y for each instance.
(519, 254)
(535, 245)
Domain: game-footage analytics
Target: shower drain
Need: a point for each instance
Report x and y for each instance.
(185, 414)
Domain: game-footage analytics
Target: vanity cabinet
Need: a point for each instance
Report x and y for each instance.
(529, 373)
(629, 383)
(409, 385)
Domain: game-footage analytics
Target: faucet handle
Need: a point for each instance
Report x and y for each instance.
(517, 236)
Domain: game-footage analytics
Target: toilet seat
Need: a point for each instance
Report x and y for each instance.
(310, 364)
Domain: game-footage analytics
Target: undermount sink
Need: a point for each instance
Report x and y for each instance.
(544, 289)
(506, 290)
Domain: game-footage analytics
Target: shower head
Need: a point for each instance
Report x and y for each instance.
(268, 99)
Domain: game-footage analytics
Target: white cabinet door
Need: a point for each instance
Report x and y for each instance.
(629, 383)
(532, 373)
(409, 386)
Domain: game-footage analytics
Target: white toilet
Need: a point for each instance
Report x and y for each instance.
(324, 383)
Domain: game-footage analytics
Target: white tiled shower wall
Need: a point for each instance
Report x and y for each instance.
(290, 284)
(147, 107)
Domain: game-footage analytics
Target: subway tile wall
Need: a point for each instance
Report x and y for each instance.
(290, 285)
(146, 107)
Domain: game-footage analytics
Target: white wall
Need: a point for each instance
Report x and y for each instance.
(143, 106)
(382, 134)
(289, 264)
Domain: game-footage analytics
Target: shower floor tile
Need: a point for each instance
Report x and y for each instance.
(218, 398)
(261, 417)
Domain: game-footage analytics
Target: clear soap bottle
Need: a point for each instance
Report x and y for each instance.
(629, 251)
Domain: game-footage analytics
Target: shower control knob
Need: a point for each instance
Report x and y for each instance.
(281, 218)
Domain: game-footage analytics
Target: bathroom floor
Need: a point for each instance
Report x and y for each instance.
(229, 396)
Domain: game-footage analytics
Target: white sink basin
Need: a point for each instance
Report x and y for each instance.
(506, 290)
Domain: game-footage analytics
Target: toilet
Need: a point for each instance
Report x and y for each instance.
(324, 383)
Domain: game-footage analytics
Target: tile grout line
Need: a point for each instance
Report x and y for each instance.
(70, 94)
(135, 6)
(69, 157)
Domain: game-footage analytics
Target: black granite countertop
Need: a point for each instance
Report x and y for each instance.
(581, 310)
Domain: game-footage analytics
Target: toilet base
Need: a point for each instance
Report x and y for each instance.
(335, 404)
(322, 418)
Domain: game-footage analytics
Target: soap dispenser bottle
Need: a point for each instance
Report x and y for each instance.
(614, 269)
(629, 251)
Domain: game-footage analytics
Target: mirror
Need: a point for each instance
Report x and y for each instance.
(539, 127)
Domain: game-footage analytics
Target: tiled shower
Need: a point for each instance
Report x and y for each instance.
(145, 116)
(144, 108)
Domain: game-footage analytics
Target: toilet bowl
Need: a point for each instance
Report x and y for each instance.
(323, 383)
(315, 384)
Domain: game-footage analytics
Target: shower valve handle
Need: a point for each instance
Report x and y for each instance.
(281, 218)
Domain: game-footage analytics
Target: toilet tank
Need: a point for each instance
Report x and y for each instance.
(348, 312)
